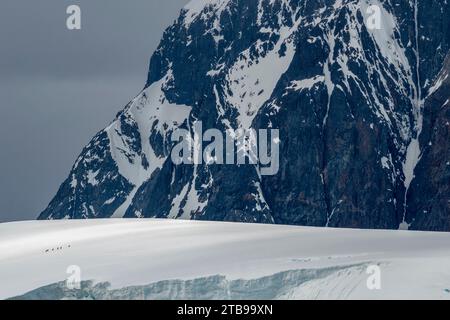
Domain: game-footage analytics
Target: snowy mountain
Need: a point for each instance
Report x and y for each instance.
(363, 115)
(168, 259)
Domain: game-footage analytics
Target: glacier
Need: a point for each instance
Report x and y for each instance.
(175, 259)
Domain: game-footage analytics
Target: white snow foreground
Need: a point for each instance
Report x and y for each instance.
(169, 259)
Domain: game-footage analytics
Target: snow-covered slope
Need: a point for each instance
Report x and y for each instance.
(184, 259)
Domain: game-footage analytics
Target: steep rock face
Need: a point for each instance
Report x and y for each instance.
(428, 198)
(348, 100)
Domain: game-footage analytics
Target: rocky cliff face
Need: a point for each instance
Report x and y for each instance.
(428, 200)
(362, 114)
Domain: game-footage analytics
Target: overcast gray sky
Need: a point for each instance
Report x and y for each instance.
(59, 87)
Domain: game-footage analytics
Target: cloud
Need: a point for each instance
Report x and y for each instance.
(59, 87)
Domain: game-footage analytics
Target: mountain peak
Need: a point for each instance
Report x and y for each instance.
(349, 101)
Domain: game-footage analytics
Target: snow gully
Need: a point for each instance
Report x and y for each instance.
(413, 152)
